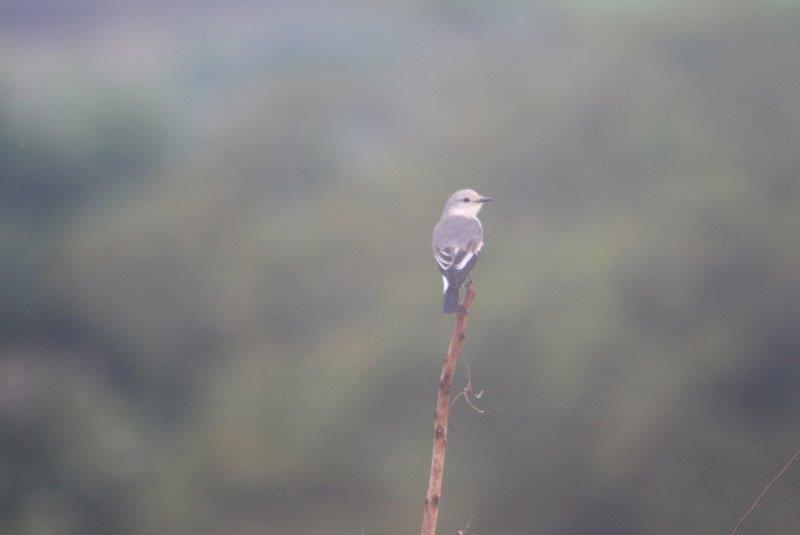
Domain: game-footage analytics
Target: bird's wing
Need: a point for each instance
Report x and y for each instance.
(456, 258)
(450, 258)
(457, 242)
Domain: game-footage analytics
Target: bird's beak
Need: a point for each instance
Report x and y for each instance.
(485, 199)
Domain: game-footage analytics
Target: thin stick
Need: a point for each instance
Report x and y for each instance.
(430, 518)
(465, 531)
(467, 391)
(764, 492)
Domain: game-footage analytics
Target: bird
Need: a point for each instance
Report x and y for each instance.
(457, 242)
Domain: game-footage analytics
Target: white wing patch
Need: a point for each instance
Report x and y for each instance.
(445, 283)
(444, 259)
(467, 257)
(451, 258)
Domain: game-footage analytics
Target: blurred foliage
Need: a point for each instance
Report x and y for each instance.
(218, 309)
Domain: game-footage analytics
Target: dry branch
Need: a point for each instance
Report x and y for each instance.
(760, 497)
(430, 517)
(465, 531)
(468, 391)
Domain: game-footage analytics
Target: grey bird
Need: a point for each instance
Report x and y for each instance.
(457, 241)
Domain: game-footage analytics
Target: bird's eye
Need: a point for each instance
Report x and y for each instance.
(465, 199)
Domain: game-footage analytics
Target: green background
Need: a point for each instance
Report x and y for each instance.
(218, 307)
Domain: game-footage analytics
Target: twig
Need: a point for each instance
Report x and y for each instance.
(465, 531)
(764, 492)
(467, 390)
(430, 517)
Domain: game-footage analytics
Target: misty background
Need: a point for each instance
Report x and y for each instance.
(219, 312)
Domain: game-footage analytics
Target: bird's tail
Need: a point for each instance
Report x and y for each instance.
(450, 300)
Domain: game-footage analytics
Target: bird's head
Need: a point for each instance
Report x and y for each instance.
(465, 202)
